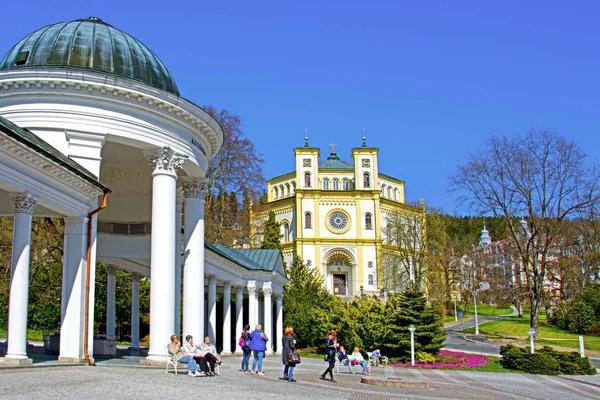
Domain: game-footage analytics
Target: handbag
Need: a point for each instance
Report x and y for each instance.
(294, 358)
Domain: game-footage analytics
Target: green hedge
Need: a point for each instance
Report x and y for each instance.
(546, 361)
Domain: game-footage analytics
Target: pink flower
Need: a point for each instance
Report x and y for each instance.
(452, 359)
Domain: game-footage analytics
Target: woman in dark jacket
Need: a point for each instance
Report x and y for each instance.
(288, 346)
(331, 345)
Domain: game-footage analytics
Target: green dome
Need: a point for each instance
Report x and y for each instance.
(92, 44)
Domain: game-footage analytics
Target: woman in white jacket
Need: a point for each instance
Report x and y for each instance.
(356, 355)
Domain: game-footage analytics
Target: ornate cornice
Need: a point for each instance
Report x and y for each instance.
(47, 167)
(165, 161)
(25, 203)
(60, 79)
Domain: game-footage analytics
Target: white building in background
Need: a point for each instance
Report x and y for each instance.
(106, 113)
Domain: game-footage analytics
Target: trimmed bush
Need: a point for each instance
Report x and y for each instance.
(546, 361)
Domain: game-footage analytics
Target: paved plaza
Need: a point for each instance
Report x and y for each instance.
(124, 378)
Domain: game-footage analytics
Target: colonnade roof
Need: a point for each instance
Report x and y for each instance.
(37, 144)
(251, 259)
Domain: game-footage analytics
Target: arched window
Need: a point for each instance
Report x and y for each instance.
(307, 179)
(388, 233)
(370, 280)
(368, 221)
(282, 193)
(336, 184)
(293, 187)
(307, 220)
(382, 190)
(366, 180)
(326, 184)
(345, 184)
(286, 231)
(275, 193)
(287, 189)
(396, 194)
(389, 192)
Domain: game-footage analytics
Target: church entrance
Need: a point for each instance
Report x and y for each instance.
(339, 284)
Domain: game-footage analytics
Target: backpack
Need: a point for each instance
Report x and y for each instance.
(242, 342)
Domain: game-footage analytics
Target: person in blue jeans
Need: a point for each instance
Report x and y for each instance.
(175, 349)
(258, 345)
(244, 343)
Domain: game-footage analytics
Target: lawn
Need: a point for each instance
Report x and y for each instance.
(483, 310)
(33, 335)
(516, 328)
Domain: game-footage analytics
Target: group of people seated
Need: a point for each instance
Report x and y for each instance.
(200, 359)
(356, 358)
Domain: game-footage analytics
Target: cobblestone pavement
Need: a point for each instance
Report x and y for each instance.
(126, 379)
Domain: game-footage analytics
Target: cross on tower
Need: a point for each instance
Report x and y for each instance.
(332, 144)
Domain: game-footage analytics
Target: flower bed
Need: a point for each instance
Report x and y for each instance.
(450, 359)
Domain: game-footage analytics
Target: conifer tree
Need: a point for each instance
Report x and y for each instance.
(271, 233)
(406, 308)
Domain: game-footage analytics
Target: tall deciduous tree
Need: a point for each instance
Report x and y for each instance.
(235, 171)
(539, 176)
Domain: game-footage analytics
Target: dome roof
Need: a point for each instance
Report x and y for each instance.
(92, 44)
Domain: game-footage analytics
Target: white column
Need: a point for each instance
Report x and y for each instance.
(162, 253)
(279, 323)
(194, 192)
(212, 307)
(111, 289)
(239, 316)
(135, 311)
(178, 251)
(73, 290)
(226, 318)
(19, 282)
(252, 304)
(268, 310)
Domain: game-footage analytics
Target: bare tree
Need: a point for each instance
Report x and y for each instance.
(541, 177)
(235, 179)
(404, 249)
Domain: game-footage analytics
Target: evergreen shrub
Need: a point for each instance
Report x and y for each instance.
(546, 361)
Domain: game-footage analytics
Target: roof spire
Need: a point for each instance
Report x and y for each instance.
(306, 138)
(364, 144)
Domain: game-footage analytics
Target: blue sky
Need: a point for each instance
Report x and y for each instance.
(428, 81)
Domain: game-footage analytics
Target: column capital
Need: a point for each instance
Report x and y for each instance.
(212, 280)
(252, 290)
(226, 285)
(267, 291)
(239, 289)
(194, 188)
(24, 203)
(135, 277)
(279, 298)
(111, 269)
(165, 161)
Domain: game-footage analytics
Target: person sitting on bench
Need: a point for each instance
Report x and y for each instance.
(209, 355)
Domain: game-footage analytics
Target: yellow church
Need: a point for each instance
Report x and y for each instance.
(336, 216)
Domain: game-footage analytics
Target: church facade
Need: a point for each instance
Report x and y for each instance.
(337, 216)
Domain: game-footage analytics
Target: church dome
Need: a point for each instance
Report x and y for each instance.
(91, 44)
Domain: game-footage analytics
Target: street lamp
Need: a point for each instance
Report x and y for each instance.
(455, 314)
(482, 286)
(531, 333)
(412, 329)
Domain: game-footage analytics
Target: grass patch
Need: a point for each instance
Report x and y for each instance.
(516, 328)
(483, 310)
(34, 335)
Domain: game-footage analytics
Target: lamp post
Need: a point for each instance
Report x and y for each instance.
(455, 314)
(531, 333)
(412, 329)
(482, 286)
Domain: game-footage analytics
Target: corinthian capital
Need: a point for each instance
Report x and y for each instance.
(24, 203)
(165, 160)
(194, 188)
